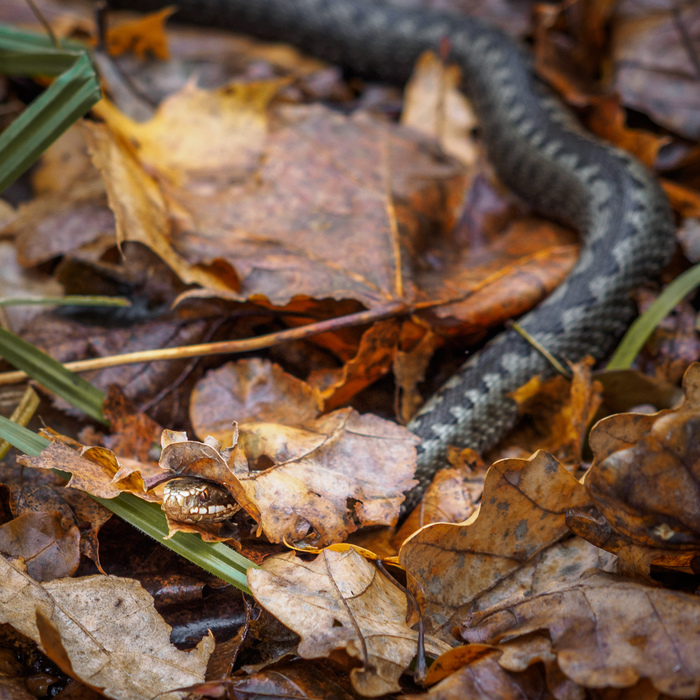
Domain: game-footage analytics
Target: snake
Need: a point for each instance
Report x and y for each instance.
(538, 150)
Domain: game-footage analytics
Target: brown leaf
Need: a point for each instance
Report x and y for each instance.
(607, 631)
(249, 391)
(341, 601)
(484, 679)
(644, 479)
(453, 495)
(109, 631)
(139, 208)
(325, 480)
(434, 105)
(304, 475)
(47, 543)
(652, 70)
(374, 358)
(142, 36)
(93, 471)
(201, 137)
(558, 414)
(522, 513)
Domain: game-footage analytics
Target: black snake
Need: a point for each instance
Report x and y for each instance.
(536, 148)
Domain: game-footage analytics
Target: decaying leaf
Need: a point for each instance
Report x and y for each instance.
(47, 543)
(109, 631)
(558, 413)
(301, 475)
(249, 390)
(522, 513)
(96, 470)
(142, 36)
(201, 136)
(484, 679)
(342, 601)
(646, 472)
(607, 632)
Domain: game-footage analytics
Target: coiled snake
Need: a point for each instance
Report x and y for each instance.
(537, 150)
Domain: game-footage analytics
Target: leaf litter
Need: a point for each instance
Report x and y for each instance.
(306, 213)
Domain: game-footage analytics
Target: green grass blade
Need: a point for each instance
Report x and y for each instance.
(23, 439)
(218, 559)
(643, 327)
(46, 118)
(51, 374)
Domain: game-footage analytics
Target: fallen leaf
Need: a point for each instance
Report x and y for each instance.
(652, 70)
(47, 543)
(435, 106)
(484, 679)
(139, 207)
(374, 358)
(607, 632)
(341, 601)
(94, 471)
(453, 495)
(109, 631)
(321, 482)
(249, 390)
(201, 137)
(522, 513)
(304, 476)
(646, 470)
(557, 414)
(145, 35)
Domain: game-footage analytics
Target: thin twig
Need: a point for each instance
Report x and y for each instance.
(44, 23)
(541, 349)
(227, 346)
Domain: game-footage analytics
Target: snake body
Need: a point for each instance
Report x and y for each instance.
(537, 149)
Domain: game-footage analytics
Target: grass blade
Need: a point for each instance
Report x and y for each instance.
(639, 332)
(51, 374)
(218, 559)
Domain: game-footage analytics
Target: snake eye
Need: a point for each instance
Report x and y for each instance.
(203, 495)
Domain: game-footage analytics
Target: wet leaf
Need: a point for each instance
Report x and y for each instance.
(145, 35)
(341, 601)
(305, 476)
(522, 513)
(644, 479)
(107, 627)
(607, 632)
(47, 543)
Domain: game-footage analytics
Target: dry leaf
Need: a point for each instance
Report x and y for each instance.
(201, 137)
(109, 630)
(484, 679)
(522, 513)
(653, 72)
(607, 631)
(249, 390)
(97, 470)
(644, 479)
(342, 601)
(323, 481)
(304, 476)
(139, 207)
(47, 543)
(435, 106)
(142, 36)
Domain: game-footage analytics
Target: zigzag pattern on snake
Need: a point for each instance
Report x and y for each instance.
(536, 148)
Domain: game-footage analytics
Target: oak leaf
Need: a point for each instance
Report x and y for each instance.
(522, 513)
(342, 601)
(109, 631)
(607, 631)
(645, 476)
